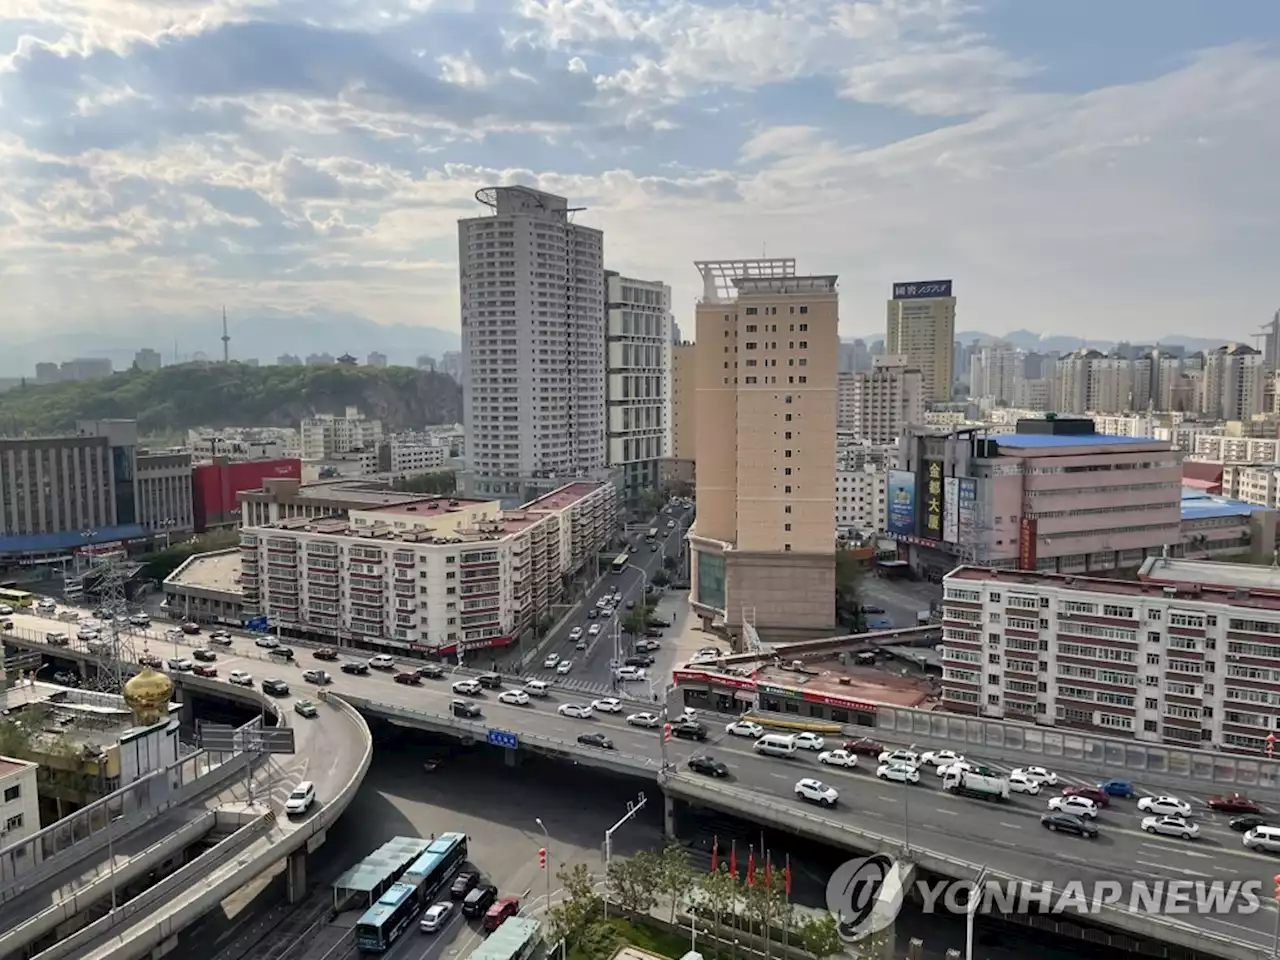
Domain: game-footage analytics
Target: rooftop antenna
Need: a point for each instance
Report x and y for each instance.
(226, 339)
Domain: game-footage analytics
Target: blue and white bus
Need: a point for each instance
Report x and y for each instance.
(382, 923)
(432, 872)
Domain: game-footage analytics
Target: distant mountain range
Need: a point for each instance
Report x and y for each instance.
(266, 335)
(1050, 342)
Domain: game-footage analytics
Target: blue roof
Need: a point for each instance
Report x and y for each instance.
(1043, 440)
(70, 539)
(1203, 506)
(396, 894)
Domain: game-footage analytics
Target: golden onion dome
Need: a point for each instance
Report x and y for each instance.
(147, 695)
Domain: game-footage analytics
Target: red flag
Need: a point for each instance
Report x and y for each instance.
(715, 854)
(751, 869)
(768, 874)
(787, 875)
(733, 859)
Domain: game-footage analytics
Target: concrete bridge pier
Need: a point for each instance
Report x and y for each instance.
(668, 817)
(295, 875)
(511, 758)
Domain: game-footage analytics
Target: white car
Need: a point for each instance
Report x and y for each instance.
(1165, 806)
(551, 661)
(607, 705)
(838, 758)
(941, 758)
(564, 667)
(1019, 782)
(6, 610)
(575, 633)
(902, 757)
(1171, 827)
(466, 687)
(436, 916)
(580, 710)
(299, 802)
(957, 768)
(1080, 806)
(1038, 774)
(381, 662)
(594, 630)
(648, 720)
(745, 728)
(899, 773)
(240, 678)
(815, 791)
(517, 698)
(173, 634)
(629, 673)
(809, 741)
(181, 664)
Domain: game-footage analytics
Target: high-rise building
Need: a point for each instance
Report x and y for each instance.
(922, 327)
(376, 359)
(533, 359)
(1232, 387)
(877, 406)
(993, 372)
(147, 359)
(288, 360)
(451, 364)
(326, 435)
(763, 544)
(638, 332)
(680, 464)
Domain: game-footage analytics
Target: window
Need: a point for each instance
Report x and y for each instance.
(751, 311)
(786, 527)
(13, 823)
(803, 311)
(12, 793)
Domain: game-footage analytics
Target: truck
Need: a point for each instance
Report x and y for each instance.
(981, 784)
(924, 617)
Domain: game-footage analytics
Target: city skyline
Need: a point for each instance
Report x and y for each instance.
(1122, 188)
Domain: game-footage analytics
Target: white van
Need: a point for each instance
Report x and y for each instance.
(776, 745)
(536, 688)
(1266, 839)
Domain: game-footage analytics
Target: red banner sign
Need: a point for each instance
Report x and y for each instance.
(1027, 544)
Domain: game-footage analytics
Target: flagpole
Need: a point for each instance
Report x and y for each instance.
(786, 916)
(768, 902)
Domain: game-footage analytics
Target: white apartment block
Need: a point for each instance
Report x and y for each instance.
(327, 436)
(1187, 655)
(861, 500)
(1235, 449)
(19, 801)
(416, 454)
(436, 574)
(1256, 484)
(994, 372)
(533, 344)
(638, 391)
(1126, 426)
(877, 406)
(1233, 383)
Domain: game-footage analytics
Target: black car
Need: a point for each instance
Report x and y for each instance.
(595, 740)
(659, 623)
(1069, 823)
(151, 660)
(871, 608)
(631, 604)
(276, 688)
(491, 681)
(1246, 822)
(653, 634)
(204, 656)
(463, 883)
(592, 613)
(281, 653)
(464, 708)
(410, 679)
(639, 660)
(688, 730)
(432, 671)
(479, 900)
(357, 667)
(709, 766)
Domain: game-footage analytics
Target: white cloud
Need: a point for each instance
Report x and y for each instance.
(462, 71)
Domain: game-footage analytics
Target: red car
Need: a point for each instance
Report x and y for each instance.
(1099, 797)
(1233, 803)
(204, 670)
(326, 653)
(866, 747)
(499, 911)
(409, 679)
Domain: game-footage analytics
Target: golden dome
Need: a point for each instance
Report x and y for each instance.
(148, 696)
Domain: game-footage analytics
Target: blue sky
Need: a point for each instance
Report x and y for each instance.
(1105, 169)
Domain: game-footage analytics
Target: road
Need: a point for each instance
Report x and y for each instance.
(901, 600)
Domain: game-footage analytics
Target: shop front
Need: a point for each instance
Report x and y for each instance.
(716, 692)
(720, 693)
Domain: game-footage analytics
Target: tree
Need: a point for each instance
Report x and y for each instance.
(821, 936)
(580, 906)
(440, 482)
(675, 876)
(637, 619)
(719, 892)
(670, 562)
(848, 588)
(678, 488)
(660, 578)
(633, 881)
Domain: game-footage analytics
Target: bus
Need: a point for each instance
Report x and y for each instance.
(432, 872)
(652, 534)
(620, 562)
(383, 923)
(16, 598)
(517, 939)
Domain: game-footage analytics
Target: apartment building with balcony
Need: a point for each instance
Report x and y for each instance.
(1185, 655)
(433, 574)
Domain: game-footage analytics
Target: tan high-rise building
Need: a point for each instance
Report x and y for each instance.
(763, 544)
(681, 459)
(922, 327)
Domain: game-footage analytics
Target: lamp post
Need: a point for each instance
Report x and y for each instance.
(633, 807)
(546, 867)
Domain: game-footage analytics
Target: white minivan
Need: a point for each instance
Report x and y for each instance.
(1265, 838)
(536, 688)
(776, 745)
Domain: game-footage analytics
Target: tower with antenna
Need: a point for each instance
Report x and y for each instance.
(226, 338)
(112, 653)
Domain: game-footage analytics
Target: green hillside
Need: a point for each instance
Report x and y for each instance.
(224, 395)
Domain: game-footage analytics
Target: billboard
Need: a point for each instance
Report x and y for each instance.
(967, 508)
(901, 518)
(951, 509)
(922, 289)
(1027, 544)
(932, 496)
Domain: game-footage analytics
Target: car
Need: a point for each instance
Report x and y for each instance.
(300, 800)
(326, 653)
(687, 729)
(872, 608)
(898, 772)
(204, 670)
(1247, 822)
(151, 660)
(595, 740)
(220, 641)
(498, 912)
(660, 623)
(653, 548)
(220, 635)
(191, 627)
(941, 758)
(1117, 788)
(275, 687)
(1165, 806)
(809, 741)
(382, 661)
(815, 791)
(321, 678)
(1171, 827)
(281, 653)
(1058, 822)
(44, 603)
(515, 698)
(607, 705)
(57, 639)
(87, 634)
(240, 678)
(1039, 774)
(1233, 803)
(903, 757)
(594, 630)
(204, 656)
(431, 671)
(409, 678)
(606, 613)
(463, 884)
(490, 681)
(631, 604)
(180, 664)
(464, 708)
(591, 615)
(745, 728)
(436, 916)
(1080, 806)
(551, 661)
(1020, 783)
(140, 620)
(708, 766)
(6, 610)
(838, 758)
(575, 633)
(564, 667)
(466, 686)
(355, 667)
(305, 708)
(580, 710)
(478, 901)
(629, 674)
(647, 720)
(651, 640)
(266, 643)
(955, 769)
(580, 645)
(639, 660)
(174, 634)
(1099, 798)
(66, 679)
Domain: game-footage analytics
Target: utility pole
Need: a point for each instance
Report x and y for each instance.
(633, 807)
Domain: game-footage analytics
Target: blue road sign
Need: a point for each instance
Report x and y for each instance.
(256, 623)
(502, 738)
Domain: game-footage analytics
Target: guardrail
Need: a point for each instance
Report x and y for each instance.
(1166, 929)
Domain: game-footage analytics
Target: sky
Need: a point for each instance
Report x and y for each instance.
(1090, 167)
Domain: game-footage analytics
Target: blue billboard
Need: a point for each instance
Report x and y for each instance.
(901, 519)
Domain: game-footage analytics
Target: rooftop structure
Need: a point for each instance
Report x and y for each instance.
(283, 497)
(367, 880)
(719, 277)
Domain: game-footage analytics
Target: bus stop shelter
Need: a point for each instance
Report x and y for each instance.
(369, 879)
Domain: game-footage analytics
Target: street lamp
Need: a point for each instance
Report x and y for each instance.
(546, 867)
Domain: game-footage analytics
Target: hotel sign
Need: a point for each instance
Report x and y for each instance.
(922, 290)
